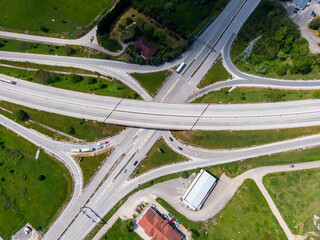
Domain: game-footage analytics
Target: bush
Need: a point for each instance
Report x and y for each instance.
(127, 225)
(316, 94)
(184, 174)
(44, 29)
(2, 45)
(129, 20)
(133, 95)
(91, 81)
(281, 70)
(69, 50)
(262, 69)
(70, 129)
(75, 78)
(46, 77)
(41, 177)
(20, 115)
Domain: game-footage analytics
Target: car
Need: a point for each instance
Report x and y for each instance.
(197, 155)
(171, 139)
(135, 163)
(124, 171)
(107, 145)
(138, 211)
(173, 219)
(295, 11)
(310, 21)
(183, 227)
(169, 215)
(139, 208)
(153, 206)
(312, 13)
(178, 222)
(106, 142)
(180, 148)
(99, 144)
(291, 166)
(83, 211)
(99, 147)
(132, 15)
(27, 230)
(142, 205)
(165, 216)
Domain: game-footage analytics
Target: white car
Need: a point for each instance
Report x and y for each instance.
(100, 143)
(124, 171)
(310, 21)
(197, 155)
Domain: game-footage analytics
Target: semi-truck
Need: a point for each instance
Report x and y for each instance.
(179, 69)
(7, 81)
(87, 149)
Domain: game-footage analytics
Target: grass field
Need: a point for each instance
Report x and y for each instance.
(68, 16)
(84, 129)
(89, 165)
(155, 158)
(39, 48)
(117, 232)
(98, 86)
(246, 216)
(240, 139)
(215, 74)
(254, 95)
(296, 195)
(152, 82)
(30, 190)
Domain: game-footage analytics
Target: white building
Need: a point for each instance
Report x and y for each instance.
(199, 190)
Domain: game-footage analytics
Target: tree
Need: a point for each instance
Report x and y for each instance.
(41, 177)
(69, 50)
(46, 77)
(133, 95)
(75, 78)
(91, 81)
(315, 23)
(157, 35)
(20, 115)
(147, 31)
(281, 70)
(129, 20)
(184, 174)
(70, 129)
(127, 225)
(44, 29)
(169, 7)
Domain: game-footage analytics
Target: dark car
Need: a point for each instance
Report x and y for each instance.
(312, 13)
(171, 139)
(135, 163)
(295, 11)
(180, 148)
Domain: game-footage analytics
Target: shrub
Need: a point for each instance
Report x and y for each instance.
(2, 45)
(46, 77)
(75, 78)
(69, 50)
(127, 225)
(316, 94)
(281, 70)
(20, 115)
(184, 174)
(44, 29)
(315, 23)
(70, 129)
(133, 95)
(91, 81)
(41, 177)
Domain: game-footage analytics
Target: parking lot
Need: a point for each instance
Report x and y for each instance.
(302, 19)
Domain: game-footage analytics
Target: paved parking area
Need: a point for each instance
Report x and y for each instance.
(301, 19)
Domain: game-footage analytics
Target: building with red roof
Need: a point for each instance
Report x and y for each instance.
(156, 227)
(147, 48)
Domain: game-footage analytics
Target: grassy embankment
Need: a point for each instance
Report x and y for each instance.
(255, 95)
(96, 85)
(215, 74)
(84, 129)
(31, 190)
(280, 52)
(152, 82)
(118, 231)
(296, 195)
(246, 216)
(155, 158)
(240, 139)
(54, 18)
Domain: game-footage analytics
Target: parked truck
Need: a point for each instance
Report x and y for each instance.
(87, 149)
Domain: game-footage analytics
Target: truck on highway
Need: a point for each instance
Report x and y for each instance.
(76, 150)
(179, 69)
(7, 81)
(87, 149)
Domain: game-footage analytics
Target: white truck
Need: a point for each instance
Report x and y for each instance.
(179, 69)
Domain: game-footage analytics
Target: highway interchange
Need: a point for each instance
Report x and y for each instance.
(153, 117)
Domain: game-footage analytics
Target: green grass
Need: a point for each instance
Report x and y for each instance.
(24, 198)
(240, 139)
(215, 74)
(155, 159)
(100, 86)
(47, 67)
(152, 82)
(246, 216)
(116, 232)
(90, 165)
(40, 48)
(296, 195)
(69, 16)
(254, 95)
(84, 129)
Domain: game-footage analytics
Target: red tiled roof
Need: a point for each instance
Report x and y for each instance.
(148, 50)
(156, 227)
